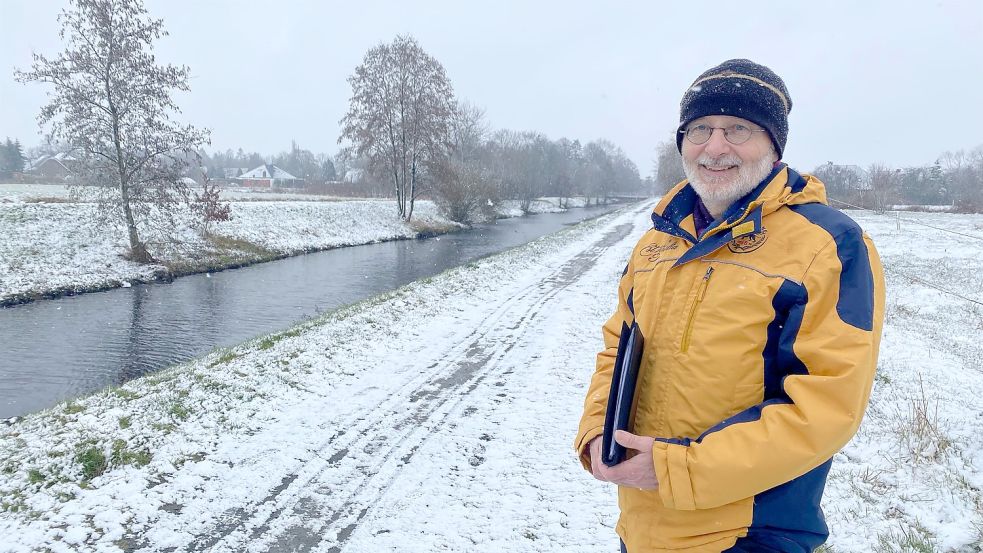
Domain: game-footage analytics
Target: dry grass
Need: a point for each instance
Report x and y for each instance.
(427, 228)
(922, 435)
(48, 200)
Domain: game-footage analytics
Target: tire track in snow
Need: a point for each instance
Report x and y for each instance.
(323, 502)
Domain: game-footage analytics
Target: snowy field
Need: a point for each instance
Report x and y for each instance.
(912, 477)
(54, 245)
(15, 192)
(46, 193)
(439, 417)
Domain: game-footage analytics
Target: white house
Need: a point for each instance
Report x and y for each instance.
(269, 176)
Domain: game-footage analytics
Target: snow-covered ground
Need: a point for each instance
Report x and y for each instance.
(19, 192)
(53, 244)
(912, 476)
(439, 417)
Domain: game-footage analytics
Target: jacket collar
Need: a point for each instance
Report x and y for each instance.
(783, 186)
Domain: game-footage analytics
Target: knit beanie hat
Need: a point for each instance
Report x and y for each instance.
(740, 88)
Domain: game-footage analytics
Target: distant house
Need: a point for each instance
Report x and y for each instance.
(56, 168)
(269, 176)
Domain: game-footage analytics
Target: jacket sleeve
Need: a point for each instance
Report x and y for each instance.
(825, 356)
(595, 405)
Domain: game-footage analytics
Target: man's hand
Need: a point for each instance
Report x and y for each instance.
(636, 472)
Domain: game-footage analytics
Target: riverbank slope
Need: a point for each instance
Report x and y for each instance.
(54, 246)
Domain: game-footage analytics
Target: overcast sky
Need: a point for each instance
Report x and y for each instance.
(896, 82)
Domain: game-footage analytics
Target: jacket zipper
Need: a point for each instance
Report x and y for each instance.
(684, 346)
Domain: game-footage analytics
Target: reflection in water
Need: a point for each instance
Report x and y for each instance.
(58, 349)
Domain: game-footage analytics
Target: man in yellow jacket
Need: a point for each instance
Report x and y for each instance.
(761, 310)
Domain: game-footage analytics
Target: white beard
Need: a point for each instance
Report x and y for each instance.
(718, 196)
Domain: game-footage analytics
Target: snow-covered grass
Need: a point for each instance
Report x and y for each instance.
(911, 479)
(247, 194)
(439, 417)
(54, 248)
(19, 192)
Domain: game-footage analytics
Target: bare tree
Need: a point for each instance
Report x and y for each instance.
(840, 184)
(504, 162)
(883, 185)
(669, 166)
(208, 206)
(400, 114)
(972, 199)
(963, 177)
(532, 164)
(462, 187)
(599, 170)
(521, 165)
(566, 163)
(112, 103)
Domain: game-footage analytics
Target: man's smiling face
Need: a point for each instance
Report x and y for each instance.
(722, 172)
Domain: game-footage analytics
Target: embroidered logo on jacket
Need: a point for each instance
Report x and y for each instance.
(749, 243)
(653, 251)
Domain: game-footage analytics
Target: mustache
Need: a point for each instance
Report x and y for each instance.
(722, 161)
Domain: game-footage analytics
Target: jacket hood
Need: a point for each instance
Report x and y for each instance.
(783, 186)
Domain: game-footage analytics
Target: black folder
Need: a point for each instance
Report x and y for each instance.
(622, 394)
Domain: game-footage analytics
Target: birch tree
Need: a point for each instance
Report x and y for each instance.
(111, 102)
(399, 116)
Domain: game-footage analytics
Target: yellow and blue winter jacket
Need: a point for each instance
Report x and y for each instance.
(761, 341)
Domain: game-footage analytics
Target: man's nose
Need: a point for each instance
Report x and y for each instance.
(717, 144)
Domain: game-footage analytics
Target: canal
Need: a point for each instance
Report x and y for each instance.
(63, 348)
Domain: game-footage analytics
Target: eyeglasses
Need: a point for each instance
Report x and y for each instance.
(735, 134)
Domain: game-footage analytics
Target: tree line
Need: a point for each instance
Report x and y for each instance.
(955, 180)
(415, 135)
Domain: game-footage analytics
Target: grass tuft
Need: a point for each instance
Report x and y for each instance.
(93, 461)
(179, 411)
(125, 394)
(225, 358)
(121, 455)
(922, 435)
(914, 539)
(35, 476)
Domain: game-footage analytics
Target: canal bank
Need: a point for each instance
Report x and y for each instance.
(62, 348)
(52, 249)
